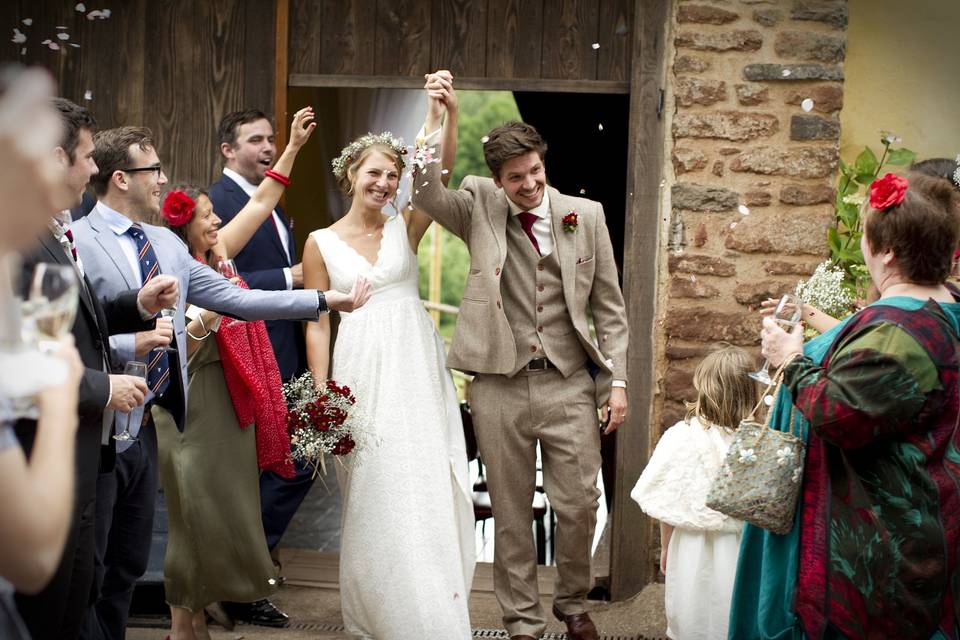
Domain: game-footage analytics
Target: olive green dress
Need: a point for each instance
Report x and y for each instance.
(216, 548)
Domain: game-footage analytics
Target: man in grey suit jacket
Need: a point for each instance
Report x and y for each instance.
(539, 262)
(119, 251)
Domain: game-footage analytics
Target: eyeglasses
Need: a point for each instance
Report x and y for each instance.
(155, 167)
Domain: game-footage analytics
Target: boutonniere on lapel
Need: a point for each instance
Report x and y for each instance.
(570, 222)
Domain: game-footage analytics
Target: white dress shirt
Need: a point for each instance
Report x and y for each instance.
(281, 228)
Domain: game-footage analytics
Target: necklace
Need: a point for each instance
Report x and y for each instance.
(363, 229)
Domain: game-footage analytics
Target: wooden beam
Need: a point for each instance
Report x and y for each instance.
(280, 71)
(482, 84)
(630, 567)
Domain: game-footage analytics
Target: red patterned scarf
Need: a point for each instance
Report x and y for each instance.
(253, 380)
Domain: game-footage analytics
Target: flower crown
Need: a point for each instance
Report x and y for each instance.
(353, 150)
(887, 192)
(956, 172)
(178, 208)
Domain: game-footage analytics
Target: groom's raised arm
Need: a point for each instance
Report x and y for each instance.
(450, 208)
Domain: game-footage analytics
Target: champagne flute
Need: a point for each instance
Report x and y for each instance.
(787, 314)
(50, 309)
(170, 312)
(227, 268)
(138, 369)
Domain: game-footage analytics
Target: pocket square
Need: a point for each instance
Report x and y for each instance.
(584, 259)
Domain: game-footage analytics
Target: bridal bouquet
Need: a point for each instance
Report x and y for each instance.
(321, 420)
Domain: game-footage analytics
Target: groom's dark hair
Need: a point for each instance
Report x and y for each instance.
(510, 140)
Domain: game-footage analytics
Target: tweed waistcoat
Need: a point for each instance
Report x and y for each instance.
(533, 301)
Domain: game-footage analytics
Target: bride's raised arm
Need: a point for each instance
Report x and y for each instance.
(440, 90)
(235, 234)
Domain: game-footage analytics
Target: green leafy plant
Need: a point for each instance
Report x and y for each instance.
(852, 192)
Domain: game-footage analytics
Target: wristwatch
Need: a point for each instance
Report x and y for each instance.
(321, 303)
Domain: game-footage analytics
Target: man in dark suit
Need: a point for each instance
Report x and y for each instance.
(57, 611)
(268, 261)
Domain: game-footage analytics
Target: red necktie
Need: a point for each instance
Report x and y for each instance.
(526, 221)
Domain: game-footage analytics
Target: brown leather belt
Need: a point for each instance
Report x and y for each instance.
(539, 364)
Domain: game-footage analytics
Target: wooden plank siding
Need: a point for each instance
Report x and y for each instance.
(176, 66)
(345, 43)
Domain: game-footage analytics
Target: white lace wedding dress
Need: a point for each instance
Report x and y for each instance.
(407, 543)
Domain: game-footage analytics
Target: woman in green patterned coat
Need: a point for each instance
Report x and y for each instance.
(879, 519)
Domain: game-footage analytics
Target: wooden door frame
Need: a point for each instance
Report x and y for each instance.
(631, 564)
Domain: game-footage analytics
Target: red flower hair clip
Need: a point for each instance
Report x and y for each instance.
(887, 192)
(178, 208)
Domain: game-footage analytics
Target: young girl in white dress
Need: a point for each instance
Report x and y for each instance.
(699, 546)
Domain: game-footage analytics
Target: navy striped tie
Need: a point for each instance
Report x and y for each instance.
(158, 362)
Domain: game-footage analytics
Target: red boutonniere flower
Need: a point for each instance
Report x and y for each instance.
(887, 192)
(178, 208)
(570, 222)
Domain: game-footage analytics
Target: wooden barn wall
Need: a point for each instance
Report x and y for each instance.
(496, 39)
(175, 66)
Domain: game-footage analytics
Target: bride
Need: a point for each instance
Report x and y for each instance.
(407, 542)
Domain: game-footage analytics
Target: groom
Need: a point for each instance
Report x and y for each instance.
(539, 260)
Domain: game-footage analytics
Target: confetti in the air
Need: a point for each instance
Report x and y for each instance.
(485, 139)
(807, 105)
(423, 185)
(744, 209)
(88, 95)
(733, 225)
(62, 28)
(54, 46)
(27, 21)
(81, 7)
(583, 191)
(595, 45)
(74, 45)
(63, 36)
(444, 172)
(18, 36)
(786, 73)
(600, 126)
(23, 51)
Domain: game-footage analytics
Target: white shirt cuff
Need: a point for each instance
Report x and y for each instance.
(619, 383)
(288, 275)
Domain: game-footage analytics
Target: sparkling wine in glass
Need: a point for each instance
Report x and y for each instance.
(227, 268)
(138, 369)
(787, 314)
(51, 306)
(170, 312)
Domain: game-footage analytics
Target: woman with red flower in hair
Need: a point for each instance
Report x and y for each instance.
(873, 551)
(236, 424)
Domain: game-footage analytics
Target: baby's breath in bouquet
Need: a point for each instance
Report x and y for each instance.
(826, 291)
(321, 420)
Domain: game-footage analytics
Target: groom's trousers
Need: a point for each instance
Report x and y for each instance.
(510, 416)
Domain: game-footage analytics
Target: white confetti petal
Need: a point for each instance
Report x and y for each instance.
(583, 191)
(595, 45)
(47, 41)
(744, 209)
(27, 21)
(74, 45)
(62, 28)
(105, 13)
(807, 105)
(733, 225)
(786, 73)
(424, 184)
(600, 126)
(63, 36)
(54, 46)
(444, 172)
(81, 7)
(88, 95)
(485, 139)
(18, 36)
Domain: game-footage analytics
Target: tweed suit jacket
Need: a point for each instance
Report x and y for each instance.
(483, 340)
(110, 273)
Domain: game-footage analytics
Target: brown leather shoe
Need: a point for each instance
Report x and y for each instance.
(579, 625)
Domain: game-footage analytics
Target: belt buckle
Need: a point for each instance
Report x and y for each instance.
(538, 364)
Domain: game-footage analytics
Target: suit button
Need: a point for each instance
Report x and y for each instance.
(539, 307)
(539, 287)
(498, 304)
(533, 348)
(540, 267)
(497, 271)
(540, 329)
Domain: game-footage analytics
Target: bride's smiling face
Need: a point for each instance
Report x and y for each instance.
(376, 181)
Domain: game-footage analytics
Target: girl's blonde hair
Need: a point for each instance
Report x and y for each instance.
(725, 394)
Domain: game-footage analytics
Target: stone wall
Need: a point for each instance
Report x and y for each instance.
(756, 87)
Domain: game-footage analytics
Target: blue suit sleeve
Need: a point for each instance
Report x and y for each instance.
(267, 279)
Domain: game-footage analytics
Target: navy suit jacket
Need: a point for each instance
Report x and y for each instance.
(261, 263)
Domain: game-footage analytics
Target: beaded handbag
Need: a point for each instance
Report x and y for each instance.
(759, 481)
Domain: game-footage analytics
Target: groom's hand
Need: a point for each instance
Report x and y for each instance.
(358, 296)
(615, 411)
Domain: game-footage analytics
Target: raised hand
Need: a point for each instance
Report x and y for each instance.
(302, 126)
